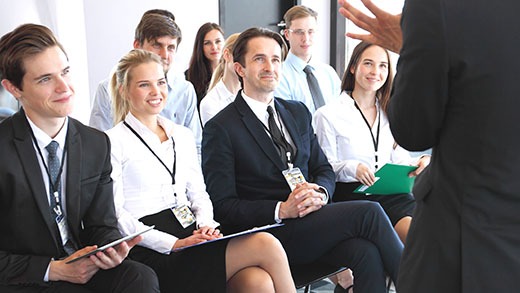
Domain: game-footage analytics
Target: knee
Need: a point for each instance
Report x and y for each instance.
(251, 279)
(268, 244)
(141, 276)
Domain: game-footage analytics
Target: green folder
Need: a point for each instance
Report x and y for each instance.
(391, 179)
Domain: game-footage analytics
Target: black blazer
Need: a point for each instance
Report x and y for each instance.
(28, 237)
(456, 90)
(242, 168)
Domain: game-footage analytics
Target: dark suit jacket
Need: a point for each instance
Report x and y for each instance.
(457, 91)
(242, 169)
(28, 237)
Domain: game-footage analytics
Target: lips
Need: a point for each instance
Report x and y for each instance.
(155, 102)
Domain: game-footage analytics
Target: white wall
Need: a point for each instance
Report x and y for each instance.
(110, 31)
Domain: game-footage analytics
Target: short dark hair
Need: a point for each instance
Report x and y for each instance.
(25, 41)
(161, 12)
(240, 47)
(153, 26)
(241, 44)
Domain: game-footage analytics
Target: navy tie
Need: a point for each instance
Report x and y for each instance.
(54, 169)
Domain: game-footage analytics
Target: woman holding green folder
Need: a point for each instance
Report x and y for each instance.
(354, 133)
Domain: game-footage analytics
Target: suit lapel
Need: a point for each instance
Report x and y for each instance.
(23, 142)
(257, 130)
(73, 179)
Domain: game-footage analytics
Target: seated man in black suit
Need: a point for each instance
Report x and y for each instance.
(246, 157)
(56, 200)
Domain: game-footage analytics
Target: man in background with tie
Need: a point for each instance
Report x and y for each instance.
(304, 79)
(262, 164)
(56, 199)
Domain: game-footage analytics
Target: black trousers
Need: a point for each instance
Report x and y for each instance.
(357, 235)
(129, 277)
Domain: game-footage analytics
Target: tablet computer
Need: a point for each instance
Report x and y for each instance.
(113, 243)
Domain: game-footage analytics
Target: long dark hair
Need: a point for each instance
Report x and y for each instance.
(199, 71)
(349, 80)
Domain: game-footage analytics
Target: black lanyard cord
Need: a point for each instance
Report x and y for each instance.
(375, 140)
(172, 173)
(53, 185)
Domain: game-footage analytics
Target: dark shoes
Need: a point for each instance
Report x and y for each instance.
(339, 289)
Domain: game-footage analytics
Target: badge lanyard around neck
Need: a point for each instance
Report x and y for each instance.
(53, 185)
(375, 140)
(287, 146)
(172, 173)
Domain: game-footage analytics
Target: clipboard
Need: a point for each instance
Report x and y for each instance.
(252, 230)
(390, 179)
(113, 243)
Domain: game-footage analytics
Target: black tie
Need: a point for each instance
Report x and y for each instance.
(279, 140)
(54, 185)
(317, 96)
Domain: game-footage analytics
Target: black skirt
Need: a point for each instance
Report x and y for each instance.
(396, 206)
(196, 269)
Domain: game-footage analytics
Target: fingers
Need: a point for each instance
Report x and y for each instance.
(132, 242)
(373, 8)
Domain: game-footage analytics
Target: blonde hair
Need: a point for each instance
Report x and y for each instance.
(120, 81)
(219, 70)
(296, 12)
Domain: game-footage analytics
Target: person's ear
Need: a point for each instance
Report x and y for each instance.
(286, 33)
(137, 45)
(239, 69)
(353, 69)
(11, 88)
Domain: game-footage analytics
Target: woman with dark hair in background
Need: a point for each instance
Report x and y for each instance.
(207, 51)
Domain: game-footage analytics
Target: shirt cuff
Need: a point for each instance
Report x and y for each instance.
(276, 212)
(46, 277)
(325, 193)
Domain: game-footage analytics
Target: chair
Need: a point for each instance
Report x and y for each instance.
(304, 275)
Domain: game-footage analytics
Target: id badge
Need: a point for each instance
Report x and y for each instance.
(293, 176)
(183, 215)
(62, 227)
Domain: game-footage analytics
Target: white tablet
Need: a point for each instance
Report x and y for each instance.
(113, 243)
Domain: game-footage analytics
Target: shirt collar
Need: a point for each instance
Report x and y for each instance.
(297, 63)
(144, 131)
(43, 139)
(259, 108)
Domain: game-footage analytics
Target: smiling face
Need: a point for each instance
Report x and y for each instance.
(47, 91)
(371, 72)
(147, 90)
(261, 72)
(212, 46)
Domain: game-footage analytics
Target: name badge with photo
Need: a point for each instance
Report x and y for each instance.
(184, 215)
(293, 176)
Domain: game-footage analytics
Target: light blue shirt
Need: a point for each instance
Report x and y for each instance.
(181, 107)
(293, 82)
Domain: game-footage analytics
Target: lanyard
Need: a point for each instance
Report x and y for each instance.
(53, 185)
(375, 140)
(287, 146)
(161, 161)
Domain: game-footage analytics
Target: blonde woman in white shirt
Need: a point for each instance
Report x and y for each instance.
(355, 135)
(224, 84)
(158, 181)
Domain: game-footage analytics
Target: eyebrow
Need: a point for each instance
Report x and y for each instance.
(368, 59)
(49, 74)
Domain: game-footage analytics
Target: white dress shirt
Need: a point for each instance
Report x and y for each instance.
(293, 82)
(345, 139)
(181, 107)
(142, 185)
(214, 101)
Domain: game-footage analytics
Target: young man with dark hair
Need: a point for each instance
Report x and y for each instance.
(56, 198)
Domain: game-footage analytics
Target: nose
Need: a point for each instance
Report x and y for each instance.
(163, 52)
(62, 84)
